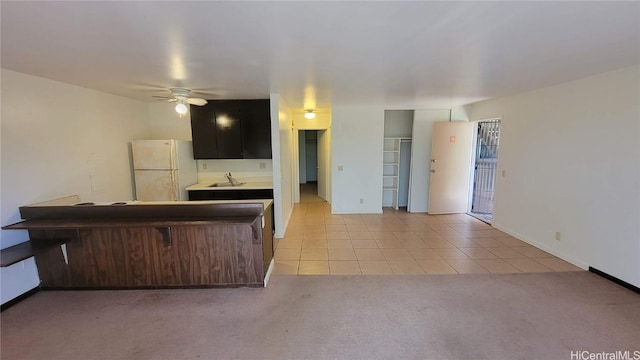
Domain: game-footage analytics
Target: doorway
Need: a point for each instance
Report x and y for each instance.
(485, 169)
(396, 160)
(313, 150)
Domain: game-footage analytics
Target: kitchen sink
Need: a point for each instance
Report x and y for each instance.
(226, 184)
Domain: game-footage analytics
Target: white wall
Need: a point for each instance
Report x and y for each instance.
(357, 134)
(241, 169)
(324, 164)
(302, 157)
(398, 123)
(329, 168)
(321, 121)
(571, 154)
(166, 124)
(59, 140)
(283, 155)
(421, 155)
(459, 113)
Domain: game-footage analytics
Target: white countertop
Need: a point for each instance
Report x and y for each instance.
(249, 185)
(75, 199)
(264, 202)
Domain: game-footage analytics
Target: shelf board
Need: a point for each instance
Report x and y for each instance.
(389, 188)
(390, 163)
(389, 175)
(392, 151)
(15, 254)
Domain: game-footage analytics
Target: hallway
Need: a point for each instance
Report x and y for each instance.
(309, 193)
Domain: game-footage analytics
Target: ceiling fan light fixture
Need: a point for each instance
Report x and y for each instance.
(310, 114)
(181, 108)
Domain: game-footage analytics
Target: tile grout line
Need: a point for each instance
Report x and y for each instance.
(461, 227)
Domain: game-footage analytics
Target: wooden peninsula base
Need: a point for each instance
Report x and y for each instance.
(150, 245)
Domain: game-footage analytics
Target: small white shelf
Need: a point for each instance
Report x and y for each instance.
(391, 171)
(391, 144)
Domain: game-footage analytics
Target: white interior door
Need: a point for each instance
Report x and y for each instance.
(451, 150)
(323, 161)
(420, 154)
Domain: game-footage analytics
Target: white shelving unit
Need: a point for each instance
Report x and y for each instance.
(391, 172)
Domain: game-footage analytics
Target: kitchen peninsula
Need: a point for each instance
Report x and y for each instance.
(84, 245)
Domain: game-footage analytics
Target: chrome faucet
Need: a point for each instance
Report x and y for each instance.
(231, 180)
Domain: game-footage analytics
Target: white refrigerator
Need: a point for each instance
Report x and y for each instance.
(162, 169)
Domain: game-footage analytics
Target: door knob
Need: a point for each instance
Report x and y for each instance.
(433, 171)
(433, 160)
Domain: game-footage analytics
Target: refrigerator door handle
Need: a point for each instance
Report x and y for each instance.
(175, 186)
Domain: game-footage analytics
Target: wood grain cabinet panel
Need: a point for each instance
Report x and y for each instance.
(139, 257)
(203, 132)
(228, 129)
(256, 129)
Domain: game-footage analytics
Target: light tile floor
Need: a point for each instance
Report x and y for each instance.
(396, 242)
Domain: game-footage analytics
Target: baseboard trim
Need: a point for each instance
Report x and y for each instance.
(541, 246)
(269, 272)
(615, 280)
(18, 299)
(478, 218)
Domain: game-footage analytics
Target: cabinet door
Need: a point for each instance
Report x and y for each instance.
(228, 129)
(203, 131)
(256, 129)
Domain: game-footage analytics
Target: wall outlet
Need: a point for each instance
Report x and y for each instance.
(558, 235)
(263, 165)
(204, 166)
(361, 201)
(340, 168)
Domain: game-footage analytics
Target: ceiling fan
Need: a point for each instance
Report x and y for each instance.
(181, 97)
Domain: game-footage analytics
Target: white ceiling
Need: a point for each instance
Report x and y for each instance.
(400, 54)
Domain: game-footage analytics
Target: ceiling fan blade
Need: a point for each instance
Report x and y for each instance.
(196, 101)
(164, 98)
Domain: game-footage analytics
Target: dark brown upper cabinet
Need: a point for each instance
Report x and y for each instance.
(203, 132)
(232, 129)
(228, 129)
(256, 129)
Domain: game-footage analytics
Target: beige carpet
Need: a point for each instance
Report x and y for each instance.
(519, 316)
